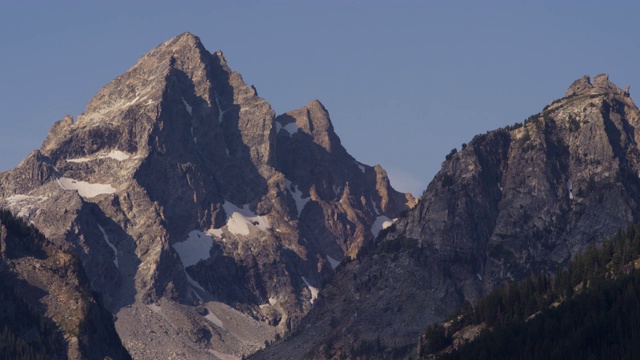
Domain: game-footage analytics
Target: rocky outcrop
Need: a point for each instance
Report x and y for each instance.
(47, 304)
(194, 208)
(522, 199)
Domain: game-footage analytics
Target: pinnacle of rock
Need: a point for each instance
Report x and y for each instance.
(313, 119)
(600, 84)
(578, 86)
(182, 41)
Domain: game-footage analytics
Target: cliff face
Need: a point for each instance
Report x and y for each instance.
(521, 199)
(532, 197)
(47, 304)
(207, 223)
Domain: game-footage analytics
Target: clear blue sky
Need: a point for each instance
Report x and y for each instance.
(404, 82)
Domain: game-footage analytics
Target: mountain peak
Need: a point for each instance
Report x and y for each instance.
(188, 35)
(313, 119)
(185, 39)
(580, 85)
(600, 84)
(315, 105)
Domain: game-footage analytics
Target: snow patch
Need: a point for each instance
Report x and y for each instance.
(25, 203)
(80, 160)
(569, 188)
(297, 196)
(194, 249)
(479, 276)
(375, 205)
(215, 232)
(118, 155)
(196, 293)
(241, 220)
(106, 238)
(195, 139)
(214, 319)
(12, 200)
(381, 222)
(334, 263)
(314, 291)
(195, 284)
(114, 154)
(291, 128)
(85, 189)
(361, 167)
(19, 199)
(500, 187)
(189, 107)
(220, 112)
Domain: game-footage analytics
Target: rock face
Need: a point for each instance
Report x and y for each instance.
(516, 200)
(207, 223)
(46, 302)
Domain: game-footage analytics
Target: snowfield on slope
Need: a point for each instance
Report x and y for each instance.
(194, 249)
(240, 220)
(381, 222)
(85, 189)
(115, 155)
(297, 197)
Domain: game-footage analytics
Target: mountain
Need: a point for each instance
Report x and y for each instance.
(525, 198)
(206, 222)
(48, 310)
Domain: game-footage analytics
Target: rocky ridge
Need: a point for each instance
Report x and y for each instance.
(207, 223)
(525, 198)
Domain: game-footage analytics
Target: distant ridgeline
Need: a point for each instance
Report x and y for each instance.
(587, 311)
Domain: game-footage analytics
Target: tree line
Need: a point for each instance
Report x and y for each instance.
(588, 310)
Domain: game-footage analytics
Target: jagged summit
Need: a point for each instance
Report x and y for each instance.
(312, 119)
(580, 85)
(180, 45)
(600, 84)
(186, 35)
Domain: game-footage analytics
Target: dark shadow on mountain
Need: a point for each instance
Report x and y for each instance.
(306, 164)
(238, 165)
(187, 170)
(301, 160)
(22, 239)
(188, 155)
(115, 284)
(226, 280)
